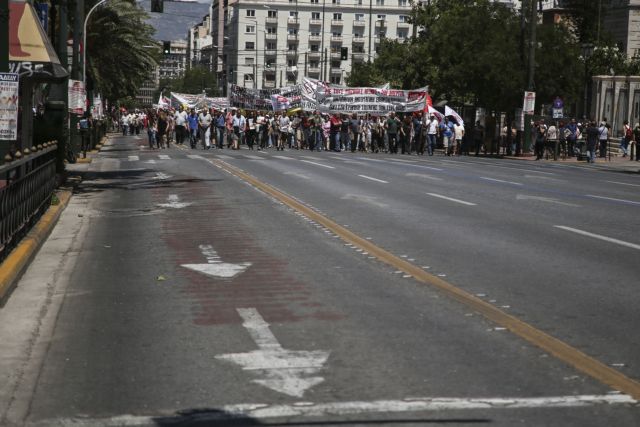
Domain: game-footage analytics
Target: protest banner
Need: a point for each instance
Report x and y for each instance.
(367, 100)
(77, 97)
(260, 99)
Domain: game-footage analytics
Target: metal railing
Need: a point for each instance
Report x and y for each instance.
(27, 181)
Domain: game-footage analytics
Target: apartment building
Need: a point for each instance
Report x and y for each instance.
(276, 43)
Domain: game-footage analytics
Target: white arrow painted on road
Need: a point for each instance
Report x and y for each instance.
(545, 199)
(173, 202)
(215, 267)
(287, 371)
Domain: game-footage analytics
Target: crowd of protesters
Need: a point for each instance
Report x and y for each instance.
(417, 133)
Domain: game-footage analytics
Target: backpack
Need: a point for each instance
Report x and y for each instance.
(628, 133)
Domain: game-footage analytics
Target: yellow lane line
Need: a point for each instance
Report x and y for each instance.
(561, 350)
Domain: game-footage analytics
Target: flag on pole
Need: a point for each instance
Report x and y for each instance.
(452, 113)
(436, 113)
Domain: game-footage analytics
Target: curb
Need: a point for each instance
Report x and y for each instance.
(19, 259)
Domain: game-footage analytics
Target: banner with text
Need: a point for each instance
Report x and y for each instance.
(261, 99)
(9, 84)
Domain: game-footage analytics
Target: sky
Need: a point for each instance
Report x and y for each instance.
(177, 18)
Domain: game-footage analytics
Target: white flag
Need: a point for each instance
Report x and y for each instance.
(451, 112)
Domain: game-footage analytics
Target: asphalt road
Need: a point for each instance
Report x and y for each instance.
(174, 292)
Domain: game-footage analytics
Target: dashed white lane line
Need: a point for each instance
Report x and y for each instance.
(403, 160)
(440, 196)
(283, 157)
(623, 183)
(317, 164)
(599, 237)
(613, 199)
(164, 157)
(224, 157)
(373, 179)
(257, 411)
(486, 178)
(252, 157)
(134, 158)
(195, 156)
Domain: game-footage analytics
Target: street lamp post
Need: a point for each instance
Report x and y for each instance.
(84, 43)
(613, 112)
(587, 50)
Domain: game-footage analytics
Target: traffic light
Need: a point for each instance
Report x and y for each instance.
(344, 53)
(166, 48)
(157, 6)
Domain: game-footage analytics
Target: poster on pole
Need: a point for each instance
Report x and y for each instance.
(77, 97)
(529, 103)
(9, 95)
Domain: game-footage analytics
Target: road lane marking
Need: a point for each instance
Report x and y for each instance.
(613, 199)
(195, 156)
(422, 175)
(296, 174)
(173, 202)
(254, 412)
(134, 158)
(291, 372)
(365, 199)
(599, 236)
(282, 157)
(373, 179)
(252, 157)
(371, 160)
(486, 178)
(403, 160)
(317, 164)
(224, 157)
(559, 349)
(164, 157)
(440, 196)
(623, 183)
(215, 267)
(545, 199)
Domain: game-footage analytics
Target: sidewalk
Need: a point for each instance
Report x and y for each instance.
(617, 163)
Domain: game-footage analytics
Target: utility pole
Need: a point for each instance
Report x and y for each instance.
(532, 45)
(4, 35)
(76, 72)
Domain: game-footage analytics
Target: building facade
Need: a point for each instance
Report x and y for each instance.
(276, 43)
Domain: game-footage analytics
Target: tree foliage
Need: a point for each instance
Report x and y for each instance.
(121, 51)
(195, 80)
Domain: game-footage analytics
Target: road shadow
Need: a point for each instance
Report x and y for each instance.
(205, 417)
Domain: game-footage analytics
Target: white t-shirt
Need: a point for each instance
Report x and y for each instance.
(433, 127)
(459, 131)
(181, 118)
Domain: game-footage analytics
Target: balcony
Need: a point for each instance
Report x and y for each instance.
(358, 39)
(270, 69)
(336, 70)
(269, 84)
(293, 21)
(381, 24)
(292, 54)
(292, 37)
(359, 56)
(335, 55)
(270, 52)
(360, 23)
(314, 38)
(315, 21)
(313, 70)
(292, 69)
(337, 22)
(270, 36)
(314, 55)
(271, 20)
(336, 39)
(403, 25)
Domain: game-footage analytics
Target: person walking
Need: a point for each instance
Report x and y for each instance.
(478, 137)
(636, 140)
(180, 119)
(432, 134)
(541, 138)
(593, 134)
(192, 125)
(603, 138)
(626, 139)
(204, 123)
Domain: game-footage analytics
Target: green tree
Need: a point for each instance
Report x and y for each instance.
(121, 51)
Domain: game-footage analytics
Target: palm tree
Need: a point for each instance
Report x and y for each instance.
(121, 50)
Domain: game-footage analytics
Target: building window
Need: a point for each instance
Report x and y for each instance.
(314, 64)
(293, 14)
(402, 34)
(251, 12)
(402, 3)
(248, 60)
(403, 18)
(381, 18)
(336, 34)
(248, 77)
(270, 64)
(314, 1)
(358, 49)
(270, 77)
(335, 64)
(337, 17)
(315, 48)
(272, 13)
(249, 45)
(250, 29)
(272, 30)
(292, 63)
(379, 2)
(355, 35)
(315, 33)
(359, 16)
(335, 80)
(292, 31)
(271, 46)
(315, 15)
(293, 47)
(335, 1)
